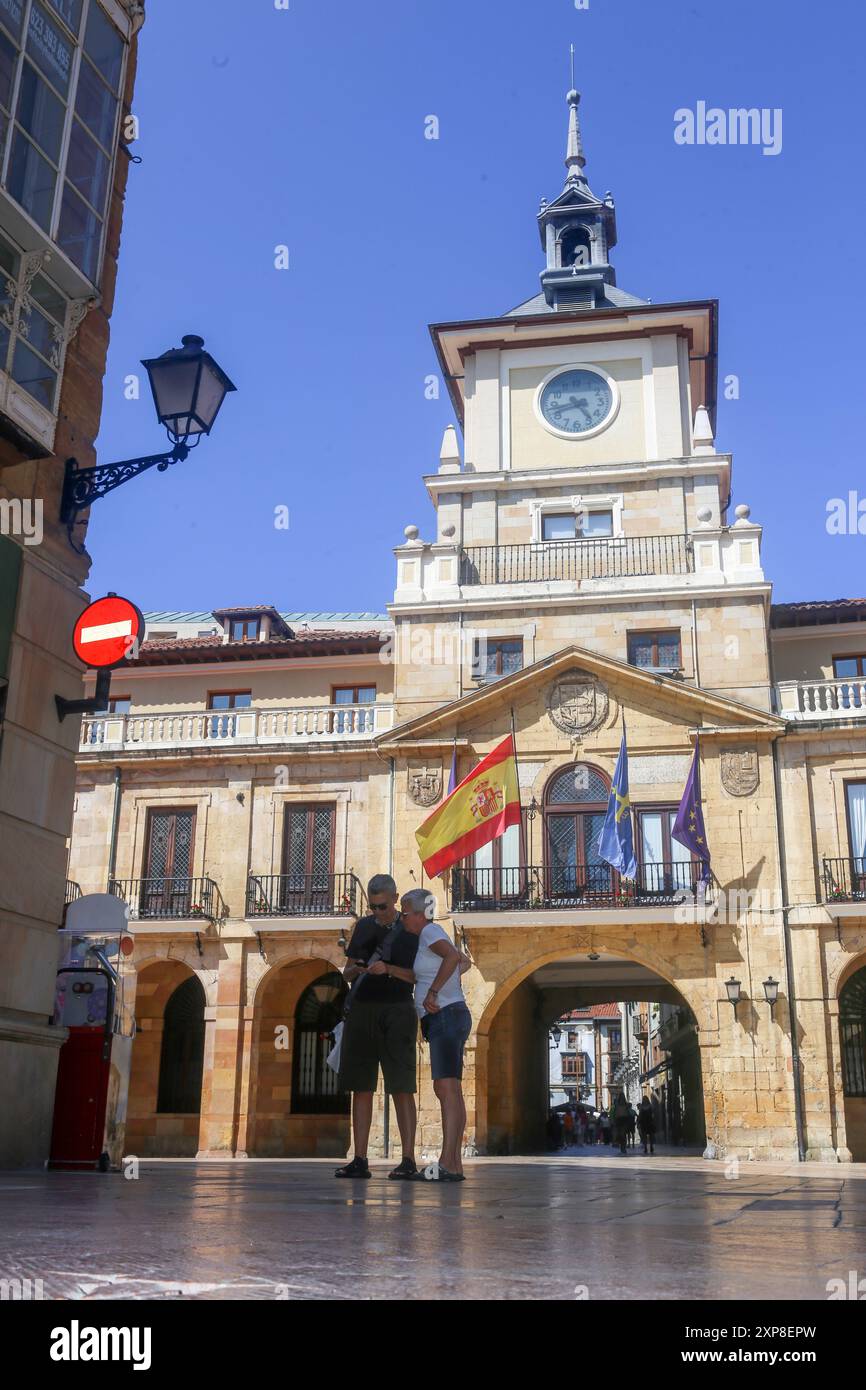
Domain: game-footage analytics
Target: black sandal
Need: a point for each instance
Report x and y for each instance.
(405, 1170)
(358, 1168)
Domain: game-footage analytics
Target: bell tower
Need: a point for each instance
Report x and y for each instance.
(578, 231)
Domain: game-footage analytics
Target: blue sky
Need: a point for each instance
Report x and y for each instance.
(306, 128)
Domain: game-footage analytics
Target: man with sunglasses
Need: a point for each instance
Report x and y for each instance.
(381, 1027)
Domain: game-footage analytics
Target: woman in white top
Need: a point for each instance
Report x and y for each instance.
(445, 1020)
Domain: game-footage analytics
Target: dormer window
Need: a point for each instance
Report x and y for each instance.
(245, 629)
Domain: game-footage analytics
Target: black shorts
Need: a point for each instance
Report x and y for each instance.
(379, 1035)
(446, 1032)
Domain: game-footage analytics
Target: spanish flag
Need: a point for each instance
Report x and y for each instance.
(479, 810)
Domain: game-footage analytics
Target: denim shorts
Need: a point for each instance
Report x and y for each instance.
(446, 1032)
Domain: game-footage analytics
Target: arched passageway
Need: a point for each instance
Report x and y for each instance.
(165, 1083)
(852, 1039)
(513, 1057)
(296, 1110)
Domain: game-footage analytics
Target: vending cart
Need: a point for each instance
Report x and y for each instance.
(93, 1069)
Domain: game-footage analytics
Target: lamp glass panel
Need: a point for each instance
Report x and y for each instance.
(211, 393)
(173, 381)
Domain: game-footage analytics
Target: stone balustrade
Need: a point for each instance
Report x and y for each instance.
(200, 728)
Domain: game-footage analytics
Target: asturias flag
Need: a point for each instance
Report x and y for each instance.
(688, 827)
(616, 841)
(479, 809)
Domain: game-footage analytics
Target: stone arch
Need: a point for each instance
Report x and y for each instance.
(148, 1132)
(851, 1041)
(275, 1131)
(506, 989)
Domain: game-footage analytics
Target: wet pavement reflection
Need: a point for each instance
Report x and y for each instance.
(589, 1224)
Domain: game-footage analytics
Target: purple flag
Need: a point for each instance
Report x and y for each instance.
(688, 827)
(452, 780)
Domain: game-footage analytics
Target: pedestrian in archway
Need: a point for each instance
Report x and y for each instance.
(604, 1127)
(568, 1129)
(647, 1124)
(632, 1124)
(620, 1122)
(554, 1131)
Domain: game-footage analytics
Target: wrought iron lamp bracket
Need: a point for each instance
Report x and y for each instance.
(84, 486)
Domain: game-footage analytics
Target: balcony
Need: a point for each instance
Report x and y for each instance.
(73, 892)
(626, 557)
(299, 724)
(170, 899)
(304, 895)
(822, 699)
(546, 888)
(845, 880)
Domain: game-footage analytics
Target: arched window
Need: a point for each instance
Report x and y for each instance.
(852, 1032)
(314, 1085)
(575, 802)
(182, 1056)
(575, 248)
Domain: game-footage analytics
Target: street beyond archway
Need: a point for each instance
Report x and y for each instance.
(589, 1228)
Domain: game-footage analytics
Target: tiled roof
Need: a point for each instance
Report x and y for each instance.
(172, 651)
(594, 1011)
(809, 613)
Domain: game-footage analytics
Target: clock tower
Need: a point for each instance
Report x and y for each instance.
(590, 503)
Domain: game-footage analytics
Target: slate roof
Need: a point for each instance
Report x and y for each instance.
(614, 298)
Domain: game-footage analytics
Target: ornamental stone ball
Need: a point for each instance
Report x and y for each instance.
(411, 533)
(742, 512)
(705, 516)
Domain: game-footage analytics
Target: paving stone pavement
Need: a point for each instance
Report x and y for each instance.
(572, 1226)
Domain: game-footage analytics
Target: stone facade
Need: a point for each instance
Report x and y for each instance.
(41, 596)
(653, 614)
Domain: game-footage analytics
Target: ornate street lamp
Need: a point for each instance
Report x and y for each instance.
(733, 988)
(188, 389)
(556, 1034)
(771, 994)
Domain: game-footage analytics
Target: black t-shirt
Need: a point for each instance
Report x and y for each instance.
(382, 989)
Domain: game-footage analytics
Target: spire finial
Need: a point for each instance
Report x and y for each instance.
(574, 156)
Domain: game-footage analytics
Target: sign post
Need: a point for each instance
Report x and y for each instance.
(106, 634)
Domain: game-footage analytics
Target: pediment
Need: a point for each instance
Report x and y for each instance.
(580, 704)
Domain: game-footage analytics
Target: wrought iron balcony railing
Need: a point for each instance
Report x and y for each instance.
(73, 891)
(845, 880)
(174, 899)
(620, 557)
(304, 895)
(548, 887)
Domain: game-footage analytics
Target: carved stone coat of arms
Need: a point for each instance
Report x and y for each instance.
(577, 704)
(740, 774)
(425, 785)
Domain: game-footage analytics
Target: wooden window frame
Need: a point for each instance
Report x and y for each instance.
(309, 807)
(169, 811)
(245, 622)
(496, 642)
(575, 809)
(211, 694)
(369, 685)
(655, 634)
(859, 657)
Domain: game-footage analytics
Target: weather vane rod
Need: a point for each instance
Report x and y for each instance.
(572, 67)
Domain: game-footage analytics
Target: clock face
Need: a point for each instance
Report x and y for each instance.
(576, 401)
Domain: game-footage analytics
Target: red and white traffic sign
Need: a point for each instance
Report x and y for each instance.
(107, 632)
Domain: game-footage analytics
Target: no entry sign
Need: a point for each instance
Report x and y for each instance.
(107, 631)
